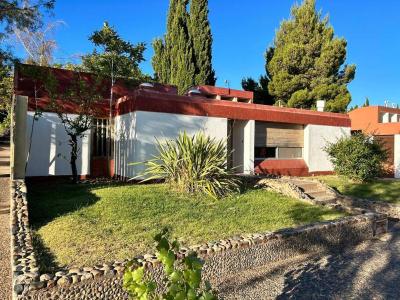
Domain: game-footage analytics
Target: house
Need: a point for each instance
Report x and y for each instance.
(264, 139)
(384, 124)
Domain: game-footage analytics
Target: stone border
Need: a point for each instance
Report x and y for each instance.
(221, 257)
(24, 266)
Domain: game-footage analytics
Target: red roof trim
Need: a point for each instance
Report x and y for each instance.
(213, 90)
(199, 106)
(43, 105)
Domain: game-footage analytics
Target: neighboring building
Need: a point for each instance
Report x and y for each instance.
(264, 139)
(384, 124)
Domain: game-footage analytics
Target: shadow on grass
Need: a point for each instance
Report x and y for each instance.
(45, 258)
(302, 214)
(369, 191)
(47, 201)
(52, 200)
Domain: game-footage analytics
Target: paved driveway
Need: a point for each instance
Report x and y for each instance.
(370, 271)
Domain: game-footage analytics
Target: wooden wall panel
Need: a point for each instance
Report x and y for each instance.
(388, 142)
(279, 135)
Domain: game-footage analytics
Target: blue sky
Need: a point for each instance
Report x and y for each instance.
(243, 29)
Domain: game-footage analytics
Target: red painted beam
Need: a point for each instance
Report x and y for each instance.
(198, 106)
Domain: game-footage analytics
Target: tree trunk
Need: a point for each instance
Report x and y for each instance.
(73, 142)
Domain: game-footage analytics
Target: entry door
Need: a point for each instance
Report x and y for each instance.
(101, 147)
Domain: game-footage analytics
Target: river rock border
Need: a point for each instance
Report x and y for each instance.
(222, 258)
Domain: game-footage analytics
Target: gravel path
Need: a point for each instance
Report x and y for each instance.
(369, 271)
(5, 262)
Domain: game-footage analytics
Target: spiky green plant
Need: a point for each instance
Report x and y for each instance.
(193, 164)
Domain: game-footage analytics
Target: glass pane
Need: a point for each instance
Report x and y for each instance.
(285, 153)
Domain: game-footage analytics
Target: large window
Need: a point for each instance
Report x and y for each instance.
(278, 141)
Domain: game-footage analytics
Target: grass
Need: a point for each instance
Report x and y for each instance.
(381, 190)
(84, 225)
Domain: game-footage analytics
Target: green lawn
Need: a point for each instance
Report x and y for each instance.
(83, 225)
(383, 190)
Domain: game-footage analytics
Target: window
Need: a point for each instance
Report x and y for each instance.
(265, 152)
(100, 137)
(278, 152)
(278, 141)
(292, 152)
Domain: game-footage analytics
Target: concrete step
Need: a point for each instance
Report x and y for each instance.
(321, 195)
(304, 185)
(310, 187)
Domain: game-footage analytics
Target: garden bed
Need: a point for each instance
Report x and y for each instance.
(88, 224)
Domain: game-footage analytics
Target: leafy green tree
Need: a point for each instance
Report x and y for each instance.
(366, 103)
(113, 56)
(305, 63)
(359, 157)
(173, 61)
(200, 32)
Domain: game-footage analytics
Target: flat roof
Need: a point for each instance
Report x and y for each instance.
(162, 98)
(146, 100)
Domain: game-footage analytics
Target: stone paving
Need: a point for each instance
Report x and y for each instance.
(369, 271)
(5, 263)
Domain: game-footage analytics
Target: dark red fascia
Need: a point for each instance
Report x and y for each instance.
(225, 92)
(145, 100)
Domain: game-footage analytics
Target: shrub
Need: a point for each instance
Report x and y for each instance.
(359, 157)
(193, 164)
(183, 278)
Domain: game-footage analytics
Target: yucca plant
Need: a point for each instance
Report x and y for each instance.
(193, 164)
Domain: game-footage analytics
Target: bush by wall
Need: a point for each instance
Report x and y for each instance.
(359, 157)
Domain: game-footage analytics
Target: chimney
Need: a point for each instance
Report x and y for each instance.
(320, 105)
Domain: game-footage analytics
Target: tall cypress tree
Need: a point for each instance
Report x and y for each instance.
(305, 64)
(173, 61)
(200, 33)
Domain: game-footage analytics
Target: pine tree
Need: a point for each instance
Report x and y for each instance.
(183, 57)
(260, 89)
(306, 62)
(173, 61)
(366, 102)
(201, 36)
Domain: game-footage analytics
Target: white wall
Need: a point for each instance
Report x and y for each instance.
(243, 146)
(136, 135)
(50, 150)
(124, 146)
(316, 137)
(397, 156)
